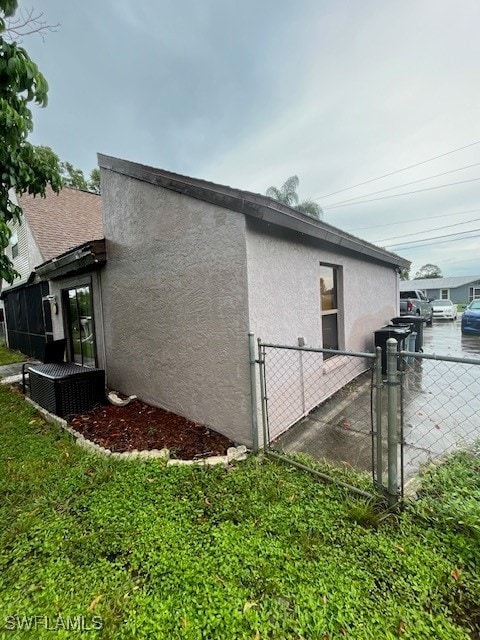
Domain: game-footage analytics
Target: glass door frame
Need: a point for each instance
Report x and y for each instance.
(67, 320)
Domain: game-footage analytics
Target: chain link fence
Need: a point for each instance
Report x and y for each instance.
(440, 408)
(340, 407)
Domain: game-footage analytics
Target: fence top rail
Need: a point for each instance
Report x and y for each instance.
(433, 356)
(358, 354)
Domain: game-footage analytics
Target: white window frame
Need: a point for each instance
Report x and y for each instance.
(338, 311)
(14, 244)
(474, 293)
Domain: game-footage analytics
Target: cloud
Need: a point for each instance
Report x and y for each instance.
(250, 93)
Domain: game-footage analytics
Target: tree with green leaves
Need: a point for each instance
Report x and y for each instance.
(75, 178)
(287, 194)
(24, 168)
(405, 273)
(428, 271)
(94, 181)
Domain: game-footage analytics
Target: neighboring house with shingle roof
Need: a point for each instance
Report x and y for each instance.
(458, 289)
(49, 227)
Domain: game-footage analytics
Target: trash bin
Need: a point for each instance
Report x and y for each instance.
(418, 323)
(391, 331)
(412, 338)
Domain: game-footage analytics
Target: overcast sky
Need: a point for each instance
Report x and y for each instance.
(249, 92)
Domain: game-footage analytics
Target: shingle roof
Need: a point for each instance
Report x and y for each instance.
(252, 204)
(60, 222)
(437, 283)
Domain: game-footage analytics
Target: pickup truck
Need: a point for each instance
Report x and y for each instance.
(415, 303)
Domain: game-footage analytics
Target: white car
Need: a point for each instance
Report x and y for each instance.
(444, 310)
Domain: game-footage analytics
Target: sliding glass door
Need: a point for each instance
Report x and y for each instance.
(80, 325)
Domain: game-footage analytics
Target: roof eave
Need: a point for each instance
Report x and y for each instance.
(254, 205)
(85, 257)
(331, 236)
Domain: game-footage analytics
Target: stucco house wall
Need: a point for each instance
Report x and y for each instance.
(285, 305)
(175, 303)
(284, 290)
(193, 267)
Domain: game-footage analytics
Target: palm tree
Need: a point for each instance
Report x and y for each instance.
(287, 194)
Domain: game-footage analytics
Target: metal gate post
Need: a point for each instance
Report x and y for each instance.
(302, 381)
(402, 375)
(378, 418)
(392, 384)
(253, 391)
(263, 392)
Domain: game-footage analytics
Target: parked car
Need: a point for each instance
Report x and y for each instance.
(444, 309)
(415, 303)
(471, 318)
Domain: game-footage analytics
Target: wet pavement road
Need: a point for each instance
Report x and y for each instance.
(445, 338)
(441, 409)
(441, 398)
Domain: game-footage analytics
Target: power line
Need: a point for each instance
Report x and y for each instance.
(434, 244)
(448, 235)
(449, 226)
(392, 173)
(406, 184)
(397, 195)
(459, 260)
(390, 224)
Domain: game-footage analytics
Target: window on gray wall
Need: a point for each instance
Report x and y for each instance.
(329, 299)
(444, 294)
(474, 293)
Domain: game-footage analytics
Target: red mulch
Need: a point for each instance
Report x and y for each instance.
(140, 426)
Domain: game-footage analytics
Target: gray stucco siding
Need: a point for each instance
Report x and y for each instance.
(175, 303)
(284, 290)
(284, 304)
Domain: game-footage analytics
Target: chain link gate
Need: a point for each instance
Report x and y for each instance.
(327, 407)
(345, 410)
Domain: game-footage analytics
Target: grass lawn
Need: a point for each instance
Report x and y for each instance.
(258, 551)
(7, 356)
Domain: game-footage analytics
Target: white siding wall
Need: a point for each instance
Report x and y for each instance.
(22, 262)
(29, 255)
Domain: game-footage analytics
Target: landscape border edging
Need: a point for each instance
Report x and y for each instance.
(237, 453)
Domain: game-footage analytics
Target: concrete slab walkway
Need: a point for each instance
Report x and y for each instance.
(14, 369)
(339, 431)
(441, 411)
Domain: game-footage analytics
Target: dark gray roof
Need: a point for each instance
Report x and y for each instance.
(87, 256)
(252, 204)
(438, 283)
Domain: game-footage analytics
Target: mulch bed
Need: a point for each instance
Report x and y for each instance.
(142, 427)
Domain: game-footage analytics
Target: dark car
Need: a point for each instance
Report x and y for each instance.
(471, 318)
